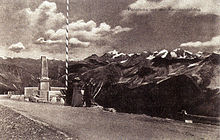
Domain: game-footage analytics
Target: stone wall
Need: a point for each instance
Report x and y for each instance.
(30, 91)
(34, 91)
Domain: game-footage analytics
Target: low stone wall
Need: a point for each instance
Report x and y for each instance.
(17, 97)
(30, 91)
(54, 94)
(56, 88)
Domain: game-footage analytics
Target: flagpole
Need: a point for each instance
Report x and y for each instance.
(67, 43)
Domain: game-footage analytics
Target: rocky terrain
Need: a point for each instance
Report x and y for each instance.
(15, 126)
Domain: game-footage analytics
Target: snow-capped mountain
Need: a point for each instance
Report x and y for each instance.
(182, 54)
(165, 54)
(152, 80)
(175, 54)
(116, 54)
(201, 54)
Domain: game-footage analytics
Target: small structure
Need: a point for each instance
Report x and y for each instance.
(43, 92)
(44, 86)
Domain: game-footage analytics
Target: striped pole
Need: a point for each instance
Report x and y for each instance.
(67, 41)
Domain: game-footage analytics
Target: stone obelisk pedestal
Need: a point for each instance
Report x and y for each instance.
(44, 86)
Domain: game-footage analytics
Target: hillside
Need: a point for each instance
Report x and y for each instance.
(155, 83)
(159, 83)
(17, 73)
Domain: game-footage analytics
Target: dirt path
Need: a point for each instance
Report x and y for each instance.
(93, 123)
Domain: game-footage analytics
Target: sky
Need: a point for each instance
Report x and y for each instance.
(31, 28)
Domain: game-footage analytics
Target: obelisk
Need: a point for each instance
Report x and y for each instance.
(44, 80)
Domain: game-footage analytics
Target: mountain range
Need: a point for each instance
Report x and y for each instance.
(159, 83)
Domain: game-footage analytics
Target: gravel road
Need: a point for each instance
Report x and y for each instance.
(96, 124)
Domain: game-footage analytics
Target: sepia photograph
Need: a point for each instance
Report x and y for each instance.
(109, 69)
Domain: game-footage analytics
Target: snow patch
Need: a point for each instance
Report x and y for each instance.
(123, 61)
(173, 54)
(163, 53)
(3, 57)
(177, 49)
(113, 52)
(150, 57)
(130, 54)
(192, 65)
(188, 52)
(155, 52)
(116, 54)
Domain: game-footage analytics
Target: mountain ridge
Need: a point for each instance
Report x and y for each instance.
(134, 79)
(154, 83)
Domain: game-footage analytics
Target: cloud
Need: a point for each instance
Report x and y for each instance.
(82, 25)
(119, 29)
(48, 42)
(16, 47)
(35, 53)
(76, 42)
(56, 52)
(42, 31)
(45, 15)
(142, 7)
(83, 34)
(215, 41)
(85, 38)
